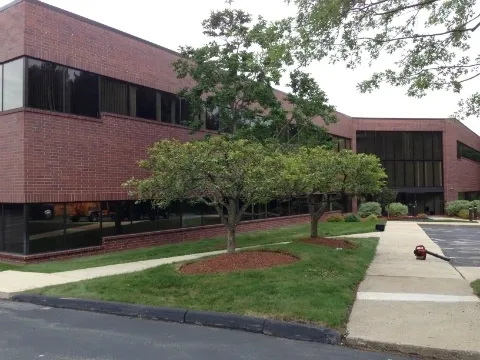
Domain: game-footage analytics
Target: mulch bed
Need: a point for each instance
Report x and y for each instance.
(239, 261)
(333, 243)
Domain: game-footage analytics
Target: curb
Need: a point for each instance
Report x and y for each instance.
(280, 329)
(412, 350)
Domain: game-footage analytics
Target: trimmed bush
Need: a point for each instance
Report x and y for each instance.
(336, 218)
(397, 209)
(370, 208)
(464, 214)
(372, 217)
(352, 218)
(453, 207)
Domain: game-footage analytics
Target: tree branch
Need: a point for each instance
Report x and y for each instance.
(405, 7)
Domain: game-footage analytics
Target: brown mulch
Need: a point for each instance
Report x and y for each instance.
(333, 243)
(239, 261)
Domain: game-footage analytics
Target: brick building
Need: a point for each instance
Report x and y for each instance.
(79, 104)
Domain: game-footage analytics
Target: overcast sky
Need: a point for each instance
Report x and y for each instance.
(178, 22)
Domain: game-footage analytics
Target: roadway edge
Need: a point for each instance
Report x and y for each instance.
(287, 330)
(411, 350)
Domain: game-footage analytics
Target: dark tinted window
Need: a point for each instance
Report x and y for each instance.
(428, 146)
(467, 152)
(409, 173)
(399, 173)
(428, 173)
(437, 146)
(361, 142)
(146, 103)
(167, 107)
(389, 138)
(418, 145)
(399, 146)
(419, 174)
(113, 96)
(13, 83)
(408, 145)
(81, 96)
(437, 173)
(46, 85)
(182, 111)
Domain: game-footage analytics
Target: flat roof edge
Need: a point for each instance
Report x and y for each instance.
(89, 21)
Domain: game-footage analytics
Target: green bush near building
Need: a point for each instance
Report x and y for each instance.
(397, 209)
(369, 208)
(453, 208)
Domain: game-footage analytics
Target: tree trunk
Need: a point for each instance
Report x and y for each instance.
(314, 226)
(231, 239)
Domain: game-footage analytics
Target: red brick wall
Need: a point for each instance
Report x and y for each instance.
(459, 175)
(12, 32)
(12, 170)
(70, 40)
(123, 242)
(72, 158)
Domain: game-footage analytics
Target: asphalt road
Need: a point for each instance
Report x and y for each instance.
(32, 332)
(460, 243)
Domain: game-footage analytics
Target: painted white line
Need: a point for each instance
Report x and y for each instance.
(381, 296)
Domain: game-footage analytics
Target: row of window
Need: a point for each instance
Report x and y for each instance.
(401, 145)
(414, 173)
(39, 228)
(48, 86)
(341, 143)
(465, 151)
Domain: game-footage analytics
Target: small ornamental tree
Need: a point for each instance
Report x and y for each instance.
(319, 174)
(360, 173)
(314, 173)
(218, 172)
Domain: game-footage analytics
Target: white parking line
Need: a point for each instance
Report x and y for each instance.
(380, 296)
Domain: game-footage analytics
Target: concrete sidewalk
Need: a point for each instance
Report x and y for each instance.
(404, 304)
(14, 282)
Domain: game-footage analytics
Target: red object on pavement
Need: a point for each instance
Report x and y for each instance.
(420, 252)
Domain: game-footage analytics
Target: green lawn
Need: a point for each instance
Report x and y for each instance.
(476, 287)
(319, 289)
(247, 239)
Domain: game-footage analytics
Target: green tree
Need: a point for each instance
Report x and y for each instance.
(323, 175)
(233, 78)
(218, 172)
(360, 174)
(431, 39)
(314, 173)
(385, 197)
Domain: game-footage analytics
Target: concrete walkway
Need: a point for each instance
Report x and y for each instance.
(14, 282)
(415, 306)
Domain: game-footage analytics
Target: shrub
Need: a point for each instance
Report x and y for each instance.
(372, 217)
(352, 218)
(464, 214)
(397, 209)
(335, 218)
(370, 208)
(453, 207)
(422, 216)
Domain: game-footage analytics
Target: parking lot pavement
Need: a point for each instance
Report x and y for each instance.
(460, 243)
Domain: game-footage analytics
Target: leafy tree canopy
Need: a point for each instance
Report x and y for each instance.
(233, 78)
(432, 40)
(218, 172)
(318, 173)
